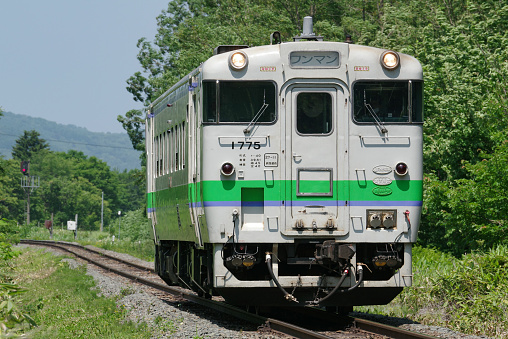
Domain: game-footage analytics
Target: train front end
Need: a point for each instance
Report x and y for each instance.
(310, 172)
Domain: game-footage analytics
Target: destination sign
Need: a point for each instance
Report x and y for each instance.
(314, 59)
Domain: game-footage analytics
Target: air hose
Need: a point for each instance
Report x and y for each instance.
(359, 270)
(287, 296)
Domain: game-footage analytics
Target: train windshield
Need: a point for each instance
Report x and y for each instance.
(388, 102)
(239, 101)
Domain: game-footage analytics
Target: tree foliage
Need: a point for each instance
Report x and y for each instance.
(462, 46)
(70, 183)
(28, 145)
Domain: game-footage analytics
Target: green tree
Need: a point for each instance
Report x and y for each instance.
(134, 124)
(1, 168)
(11, 193)
(461, 45)
(27, 145)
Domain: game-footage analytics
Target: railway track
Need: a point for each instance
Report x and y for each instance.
(146, 275)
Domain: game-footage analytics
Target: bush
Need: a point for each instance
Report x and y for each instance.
(469, 295)
(134, 226)
(10, 230)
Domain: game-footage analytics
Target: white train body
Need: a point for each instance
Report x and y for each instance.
(273, 182)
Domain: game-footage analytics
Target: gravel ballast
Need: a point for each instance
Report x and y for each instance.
(182, 319)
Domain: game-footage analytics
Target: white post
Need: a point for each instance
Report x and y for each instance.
(76, 230)
(102, 212)
(119, 218)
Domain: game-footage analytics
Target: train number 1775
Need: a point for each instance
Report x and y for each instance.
(245, 144)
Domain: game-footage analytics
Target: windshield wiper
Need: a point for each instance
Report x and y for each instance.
(369, 108)
(257, 116)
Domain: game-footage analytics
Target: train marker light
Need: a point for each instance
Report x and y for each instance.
(238, 60)
(248, 260)
(379, 262)
(390, 60)
(227, 169)
(236, 260)
(401, 168)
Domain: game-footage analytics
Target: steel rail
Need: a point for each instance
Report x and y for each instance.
(52, 243)
(363, 324)
(270, 323)
(222, 307)
(387, 330)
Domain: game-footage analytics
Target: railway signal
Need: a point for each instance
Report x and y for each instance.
(25, 167)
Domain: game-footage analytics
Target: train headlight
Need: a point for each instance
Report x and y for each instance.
(238, 60)
(227, 169)
(401, 168)
(390, 60)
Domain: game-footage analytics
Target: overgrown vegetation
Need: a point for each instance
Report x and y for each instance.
(12, 319)
(469, 295)
(64, 303)
(42, 297)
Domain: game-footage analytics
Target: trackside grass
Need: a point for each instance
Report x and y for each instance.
(134, 236)
(468, 295)
(64, 303)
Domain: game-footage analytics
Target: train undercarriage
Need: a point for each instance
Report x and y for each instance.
(324, 273)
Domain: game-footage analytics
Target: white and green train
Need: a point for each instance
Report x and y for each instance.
(289, 174)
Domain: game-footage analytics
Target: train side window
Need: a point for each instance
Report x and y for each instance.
(156, 155)
(417, 101)
(209, 102)
(173, 145)
(388, 101)
(183, 145)
(177, 148)
(314, 113)
(160, 155)
(164, 157)
(168, 153)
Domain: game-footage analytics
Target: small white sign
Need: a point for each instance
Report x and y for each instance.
(271, 160)
(72, 225)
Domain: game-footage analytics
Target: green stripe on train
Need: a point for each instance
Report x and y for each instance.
(229, 190)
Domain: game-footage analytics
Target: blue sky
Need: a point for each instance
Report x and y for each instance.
(68, 60)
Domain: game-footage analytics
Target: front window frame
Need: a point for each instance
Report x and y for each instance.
(415, 113)
(216, 112)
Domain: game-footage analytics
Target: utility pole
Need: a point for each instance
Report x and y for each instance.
(29, 184)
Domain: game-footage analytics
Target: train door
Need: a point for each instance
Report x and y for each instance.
(317, 160)
(193, 163)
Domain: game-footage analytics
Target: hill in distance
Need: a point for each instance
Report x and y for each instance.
(113, 148)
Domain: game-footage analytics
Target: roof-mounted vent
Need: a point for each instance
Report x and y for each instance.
(308, 34)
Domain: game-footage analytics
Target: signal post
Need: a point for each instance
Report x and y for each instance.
(29, 184)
